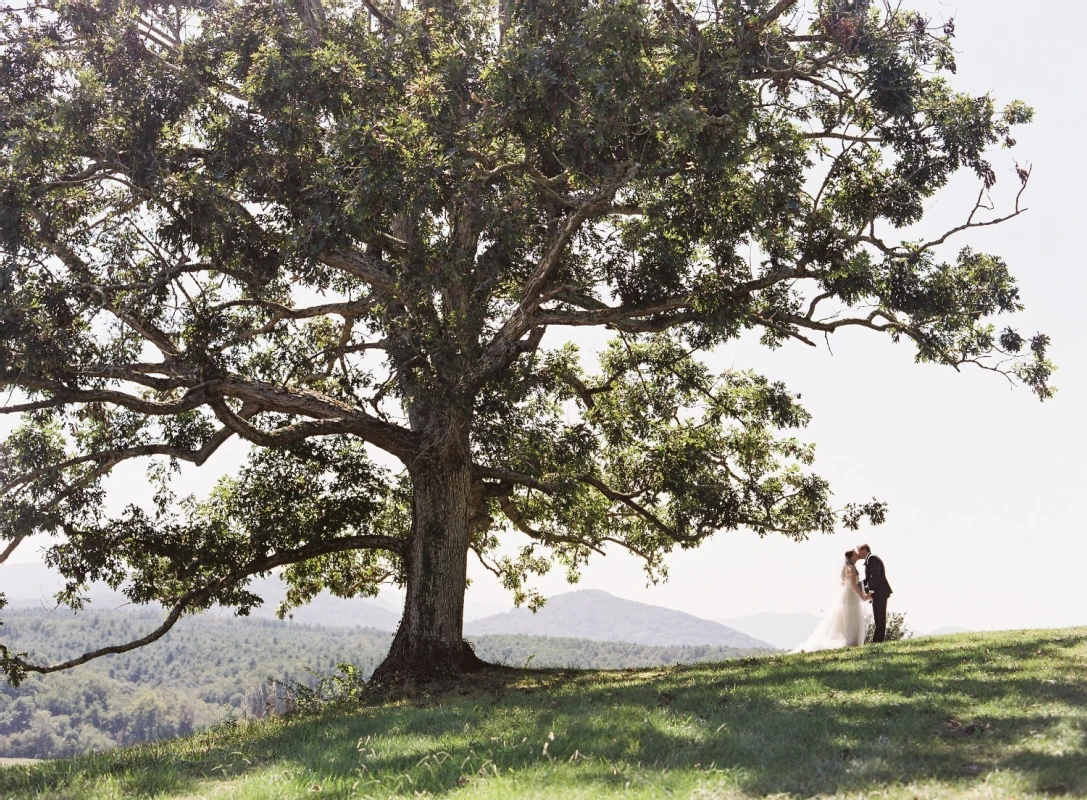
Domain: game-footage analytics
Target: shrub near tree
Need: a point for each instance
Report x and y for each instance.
(334, 228)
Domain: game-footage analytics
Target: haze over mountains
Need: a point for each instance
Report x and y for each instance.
(597, 615)
(34, 585)
(586, 614)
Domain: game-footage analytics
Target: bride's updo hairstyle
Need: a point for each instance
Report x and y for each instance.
(849, 555)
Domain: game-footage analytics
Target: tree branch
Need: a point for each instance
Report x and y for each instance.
(519, 522)
(617, 316)
(383, 19)
(193, 398)
(774, 13)
(78, 267)
(843, 137)
(327, 416)
(528, 481)
(194, 597)
(366, 268)
(11, 548)
(503, 348)
(117, 455)
(280, 436)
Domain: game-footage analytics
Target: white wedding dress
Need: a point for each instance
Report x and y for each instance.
(845, 624)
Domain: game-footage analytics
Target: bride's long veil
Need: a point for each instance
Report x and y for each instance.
(843, 623)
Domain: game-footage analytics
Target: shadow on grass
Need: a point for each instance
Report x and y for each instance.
(946, 710)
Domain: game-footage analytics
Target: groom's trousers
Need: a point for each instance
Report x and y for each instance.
(879, 611)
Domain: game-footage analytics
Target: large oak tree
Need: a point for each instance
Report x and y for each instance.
(336, 228)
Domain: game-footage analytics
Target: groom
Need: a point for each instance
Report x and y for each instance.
(875, 583)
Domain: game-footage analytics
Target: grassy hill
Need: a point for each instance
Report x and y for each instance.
(999, 715)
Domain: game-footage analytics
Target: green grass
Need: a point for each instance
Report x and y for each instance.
(976, 716)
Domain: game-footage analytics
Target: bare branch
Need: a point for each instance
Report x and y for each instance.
(528, 481)
(348, 310)
(366, 267)
(776, 12)
(280, 436)
(510, 476)
(986, 223)
(547, 537)
(334, 416)
(194, 398)
(615, 316)
(843, 137)
(383, 19)
(784, 330)
(586, 393)
(76, 264)
(11, 548)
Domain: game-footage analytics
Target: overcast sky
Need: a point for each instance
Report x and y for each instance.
(984, 482)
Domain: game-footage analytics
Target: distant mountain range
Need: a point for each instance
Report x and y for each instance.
(33, 585)
(599, 616)
(587, 614)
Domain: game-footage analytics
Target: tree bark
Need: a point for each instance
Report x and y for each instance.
(429, 644)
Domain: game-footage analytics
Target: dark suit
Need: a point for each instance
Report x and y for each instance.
(875, 583)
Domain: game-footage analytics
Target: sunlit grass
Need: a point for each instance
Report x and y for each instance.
(985, 715)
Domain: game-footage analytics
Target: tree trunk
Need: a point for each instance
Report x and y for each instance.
(429, 644)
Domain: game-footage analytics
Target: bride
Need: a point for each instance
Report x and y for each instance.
(845, 624)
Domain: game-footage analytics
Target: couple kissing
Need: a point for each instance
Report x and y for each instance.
(845, 624)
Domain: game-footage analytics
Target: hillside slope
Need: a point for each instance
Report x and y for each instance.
(592, 614)
(997, 715)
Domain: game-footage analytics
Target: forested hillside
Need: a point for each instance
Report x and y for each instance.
(205, 669)
(209, 668)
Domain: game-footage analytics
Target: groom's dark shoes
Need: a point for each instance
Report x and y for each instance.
(875, 583)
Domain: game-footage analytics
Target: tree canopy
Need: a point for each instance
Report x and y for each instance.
(331, 228)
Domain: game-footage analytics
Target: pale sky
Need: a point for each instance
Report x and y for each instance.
(983, 482)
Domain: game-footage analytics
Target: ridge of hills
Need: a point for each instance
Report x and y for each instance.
(583, 614)
(597, 615)
(32, 586)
